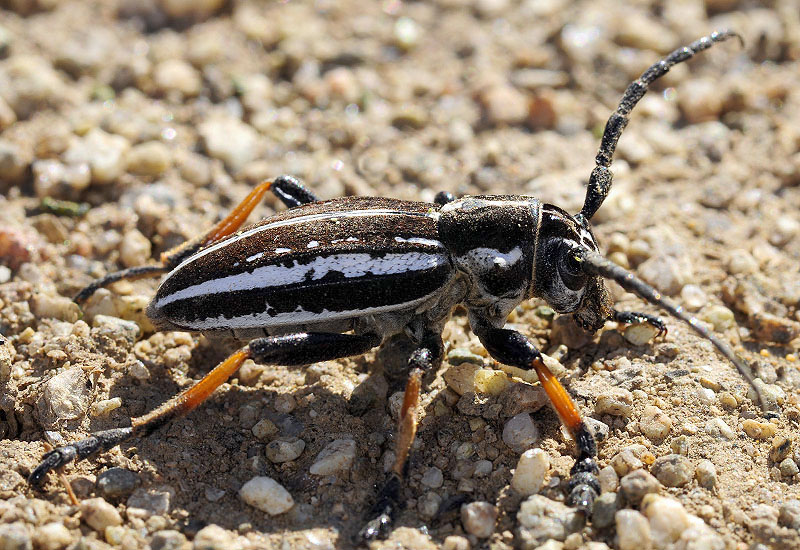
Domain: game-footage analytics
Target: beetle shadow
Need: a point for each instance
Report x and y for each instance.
(202, 460)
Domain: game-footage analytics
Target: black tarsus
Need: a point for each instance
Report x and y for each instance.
(443, 197)
(292, 192)
(634, 317)
(601, 177)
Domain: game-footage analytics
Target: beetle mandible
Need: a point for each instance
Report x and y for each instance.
(331, 279)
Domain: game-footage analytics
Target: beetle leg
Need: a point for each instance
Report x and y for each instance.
(292, 349)
(388, 503)
(443, 197)
(634, 317)
(513, 348)
(291, 192)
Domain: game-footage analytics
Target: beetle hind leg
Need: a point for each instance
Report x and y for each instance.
(389, 502)
(292, 349)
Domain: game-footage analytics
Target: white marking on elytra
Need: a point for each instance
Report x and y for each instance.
(349, 265)
(282, 250)
(486, 259)
(254, 257)
(330, 216)
(420, 240)
(297, 317)
(312, 244)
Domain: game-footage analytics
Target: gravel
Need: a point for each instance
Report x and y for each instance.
(127, 128)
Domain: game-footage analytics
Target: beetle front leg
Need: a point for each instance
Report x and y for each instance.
(424, 359)
(515, 349)
(292, 349)
(634, 317)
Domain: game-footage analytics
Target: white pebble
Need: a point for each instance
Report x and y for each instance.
(267, 495)
(616, 402)
(230, 140)
(135, 248)
(104, 153)
(520, 433)
(478, 518)
(716, 427)
(693, 297)
(668, 519)
(337, 456)
(99, 514)
(706, 474)
(105, 406)
(633, 530)
(531, 470)
(654, 424)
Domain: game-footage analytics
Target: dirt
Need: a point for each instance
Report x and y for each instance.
(153, 119)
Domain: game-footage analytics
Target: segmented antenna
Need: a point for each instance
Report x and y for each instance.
(600, 178)
(595, 264)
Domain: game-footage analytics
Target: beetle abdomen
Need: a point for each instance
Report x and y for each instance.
(338, 259)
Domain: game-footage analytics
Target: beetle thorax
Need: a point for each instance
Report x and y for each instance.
(492, 240)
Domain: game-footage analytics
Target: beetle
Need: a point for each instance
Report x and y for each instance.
(329, 279)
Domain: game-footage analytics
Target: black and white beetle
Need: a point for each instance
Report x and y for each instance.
(336, 278)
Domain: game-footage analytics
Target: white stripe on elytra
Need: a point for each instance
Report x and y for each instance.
(420, 240)
(299, 220)
(349, 265)
(297, 317)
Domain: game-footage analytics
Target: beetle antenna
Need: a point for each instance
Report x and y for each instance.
(595, 264)
(601, 177)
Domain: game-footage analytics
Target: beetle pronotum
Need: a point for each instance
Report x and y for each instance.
(329, 279)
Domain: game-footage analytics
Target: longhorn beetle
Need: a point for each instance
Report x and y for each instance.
(336, 278)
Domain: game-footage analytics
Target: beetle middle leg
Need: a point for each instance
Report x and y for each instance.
(290, 350)
(287, 188)
(424, 359)
(515, 349)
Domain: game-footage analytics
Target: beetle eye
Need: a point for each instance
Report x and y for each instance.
(569, 267)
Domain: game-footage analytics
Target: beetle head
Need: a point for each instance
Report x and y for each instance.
(559, 277)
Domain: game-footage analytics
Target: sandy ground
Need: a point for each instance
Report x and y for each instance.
(154, 118)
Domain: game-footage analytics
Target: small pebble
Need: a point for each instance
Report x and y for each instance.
(151, 501)
(542, 519)
(460, 378)
(14, 536)
(267, 495)
(503, 105)
(230, 140)
(759, 430)
(284, 403)
(720, 317)
(639, 334)
(667, 273)
(150, 158)
(789, 514)
(104, 153)
(780, 449)
(608, 478)
(654, 424)
(633, 530)
(47, 306)
(529, 475)
(168, 539)
(105, 406)
(65, 396)
(264, 428)
(716, 427)
(177, 75)
(625, 462)
(673, 470)
(741, 262)
(99, 514)
(706, 474)
(117, 483)
(491, 382)
(483, 468)
(455, 542)
(284, 449)
(135, 249)
(520, 433)
(616, 402)
(51, 536)
(693, 297)
(432, 477)
(337, 456)
(788, 468)
(604, 509)
(428, 504)
(478, 518)
(636, 485)
(128, 329)
(668, 519)
(522, 398)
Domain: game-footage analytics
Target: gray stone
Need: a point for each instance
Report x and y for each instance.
(605, 506)
(673, 470)
(636, 485)
(117, 483)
